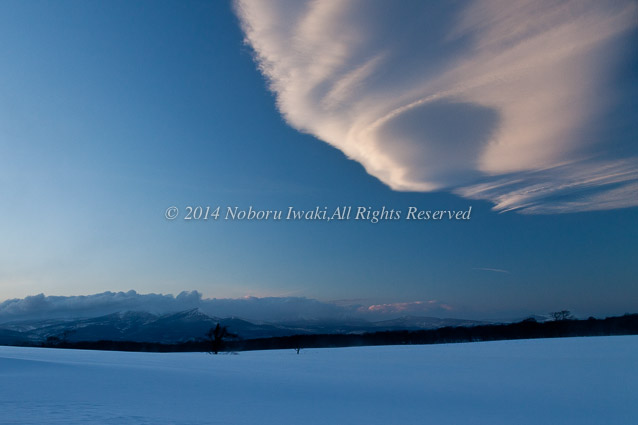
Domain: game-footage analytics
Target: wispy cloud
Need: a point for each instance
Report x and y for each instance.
(491, 99)
(488, 269)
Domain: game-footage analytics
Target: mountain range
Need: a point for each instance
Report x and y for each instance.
(192, 325)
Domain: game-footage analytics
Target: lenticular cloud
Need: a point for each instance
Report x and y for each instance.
(498, 100)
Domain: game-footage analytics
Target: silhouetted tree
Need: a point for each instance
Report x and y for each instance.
(296, 343)
(561, 315)
(216, 336)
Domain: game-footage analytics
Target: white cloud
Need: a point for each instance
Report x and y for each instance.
(47, 307)
(570, 187)
(431, 307)
(491, 99)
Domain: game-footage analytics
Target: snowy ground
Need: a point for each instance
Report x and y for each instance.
(548, 381)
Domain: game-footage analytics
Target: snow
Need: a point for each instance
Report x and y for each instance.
(566, 381)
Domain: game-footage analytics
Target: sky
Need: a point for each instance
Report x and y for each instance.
(525, 112)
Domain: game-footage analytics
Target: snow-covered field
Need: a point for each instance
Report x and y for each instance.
(547, 381)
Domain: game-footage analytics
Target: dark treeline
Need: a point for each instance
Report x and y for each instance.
(527, 329)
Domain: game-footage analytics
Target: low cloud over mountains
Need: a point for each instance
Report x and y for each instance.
(269, 309)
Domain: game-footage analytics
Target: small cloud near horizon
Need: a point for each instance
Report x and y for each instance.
(407, 308)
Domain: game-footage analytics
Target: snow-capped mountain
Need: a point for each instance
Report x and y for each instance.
(192, 325)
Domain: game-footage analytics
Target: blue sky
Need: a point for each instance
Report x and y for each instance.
(111, 112)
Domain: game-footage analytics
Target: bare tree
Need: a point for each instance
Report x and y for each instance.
(561, 315)
(217, 335)
(296, 343)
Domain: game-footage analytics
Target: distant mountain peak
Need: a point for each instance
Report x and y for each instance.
(192, 314)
